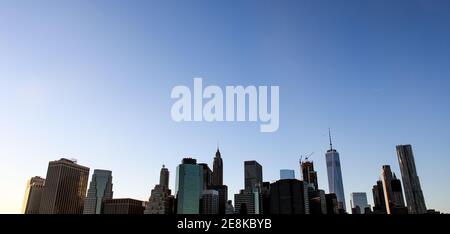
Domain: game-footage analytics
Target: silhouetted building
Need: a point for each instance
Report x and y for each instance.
(207, 175)
(33, 195)
(308, 173)
(287, 174)
(288, 197)
(209, 202)
(217, 177)
(378, 198)
(411, 183)
(123, 206)
(100, 189)
(253, 175)
(189, 186)
(335, 183)
(317, 201)
(394, 200)
(65, 188)
(332, 204)
(265, 197)
(164, 176)
(359, 202)
(160, 201)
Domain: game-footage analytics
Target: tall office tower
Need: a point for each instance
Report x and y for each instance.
(217, 176)
(287, 197)
(378, 198)
(253, 175)
(210, 202)
(394, 202)
(317, 202)
(160, 200)
(413, 191)
(332, 203)
(359, 201)
(33, 195)
(286, 174)
(207, 175)
(164, 177)
(65, 188)
(335, 183)
(100, 189)
(123, 206)
(308, 173)
(189, 186)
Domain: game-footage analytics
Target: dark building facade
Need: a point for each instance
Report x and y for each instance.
(217, 174)
(287, 197)
(332, 204)
(378, 198)
(123, 206)
(308, 173)
(253, 174)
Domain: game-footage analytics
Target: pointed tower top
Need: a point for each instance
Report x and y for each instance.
(218, 152)
(329, 136)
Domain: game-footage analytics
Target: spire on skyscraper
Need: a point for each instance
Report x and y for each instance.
(329, 136)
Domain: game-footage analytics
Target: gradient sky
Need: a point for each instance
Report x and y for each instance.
(91, 80)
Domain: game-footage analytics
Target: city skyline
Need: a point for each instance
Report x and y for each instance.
(91, 80)
(198, 193)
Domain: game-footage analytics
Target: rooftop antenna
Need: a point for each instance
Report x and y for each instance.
(329, 136)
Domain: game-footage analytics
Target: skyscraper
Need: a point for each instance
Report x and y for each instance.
(288, 197)
(189, 186)
(253, 175)
(359, 201)
(308, 173)
(378, 198)
(100, 189)
(33, 195)
(413, 191)
(393, 197)
(164, 176)
(217, 176)
(287, 174)
(207, 175)
(65, 188)
(160, 200)
(335, 183)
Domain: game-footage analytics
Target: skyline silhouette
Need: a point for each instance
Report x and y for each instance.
(91, 80)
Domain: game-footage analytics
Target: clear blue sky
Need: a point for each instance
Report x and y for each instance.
(91, 80)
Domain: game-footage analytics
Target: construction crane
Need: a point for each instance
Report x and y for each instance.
(306, 156)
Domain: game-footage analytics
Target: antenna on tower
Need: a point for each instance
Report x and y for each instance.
(329, 136)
